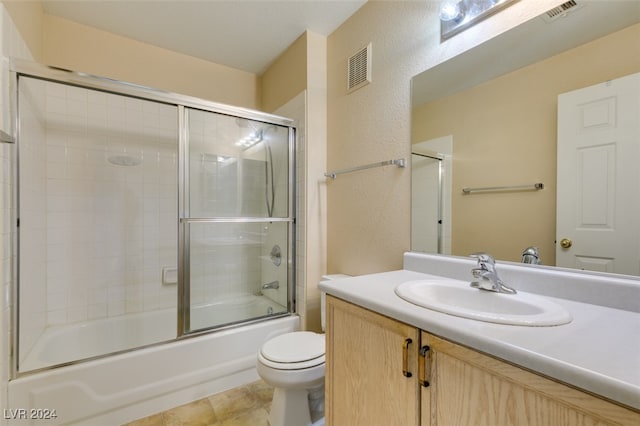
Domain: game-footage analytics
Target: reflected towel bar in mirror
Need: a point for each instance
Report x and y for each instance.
(536, 186)
(401, 162)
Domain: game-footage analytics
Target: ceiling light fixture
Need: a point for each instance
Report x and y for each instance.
(458, 15)
(450, 10)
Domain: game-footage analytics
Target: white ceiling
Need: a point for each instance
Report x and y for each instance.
(243, 34)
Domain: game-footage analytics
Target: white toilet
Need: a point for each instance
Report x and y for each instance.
(293, 363)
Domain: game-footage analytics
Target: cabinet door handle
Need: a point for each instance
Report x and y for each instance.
(423, 365)
(405, 357)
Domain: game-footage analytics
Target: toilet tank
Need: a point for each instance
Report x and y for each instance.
(323, 296)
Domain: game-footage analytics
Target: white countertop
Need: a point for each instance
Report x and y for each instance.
(599, 351)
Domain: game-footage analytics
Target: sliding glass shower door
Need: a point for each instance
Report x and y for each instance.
(236, 217)
(143, 216)
(98, 194)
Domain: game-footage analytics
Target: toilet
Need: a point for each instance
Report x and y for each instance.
(293, 363)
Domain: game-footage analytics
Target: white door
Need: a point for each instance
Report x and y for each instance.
(598, 204)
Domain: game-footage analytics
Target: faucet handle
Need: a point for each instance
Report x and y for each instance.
(487, 271)
(484, 258)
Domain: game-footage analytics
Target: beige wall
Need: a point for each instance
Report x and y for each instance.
(369, 211)
(315, 166)
(28, 16)
(66, 44)
(82, 48)
(504, 133)
(286, 76)
(302, 67)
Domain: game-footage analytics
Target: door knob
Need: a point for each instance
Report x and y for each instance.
(566, 243)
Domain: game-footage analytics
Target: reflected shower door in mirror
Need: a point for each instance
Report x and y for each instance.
(431, 192)
(499, 102)
(237, 212)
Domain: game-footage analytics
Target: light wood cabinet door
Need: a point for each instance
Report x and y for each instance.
(365, 358)
(469, 388)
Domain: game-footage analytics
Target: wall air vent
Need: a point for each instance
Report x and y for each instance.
(561, 11)
(359, 69)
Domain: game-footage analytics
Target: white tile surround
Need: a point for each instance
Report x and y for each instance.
(11, 45)
(109, 228)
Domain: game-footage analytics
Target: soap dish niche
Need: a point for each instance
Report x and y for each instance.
(169, 275)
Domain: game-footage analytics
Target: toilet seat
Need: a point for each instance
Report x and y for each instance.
(294, 351)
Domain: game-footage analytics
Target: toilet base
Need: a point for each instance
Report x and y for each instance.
(290, 407)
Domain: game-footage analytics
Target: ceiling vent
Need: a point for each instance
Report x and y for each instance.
(359, 72)
(561, 11)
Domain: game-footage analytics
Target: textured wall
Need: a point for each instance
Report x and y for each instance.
(27, 16)
(369, 211)
(286, 77)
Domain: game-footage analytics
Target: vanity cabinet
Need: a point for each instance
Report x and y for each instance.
(370, 373)
(380, 371)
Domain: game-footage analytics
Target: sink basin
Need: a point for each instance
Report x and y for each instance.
(458, 298)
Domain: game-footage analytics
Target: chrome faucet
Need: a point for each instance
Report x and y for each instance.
(274, 285)
(531, 255)
(486, 271)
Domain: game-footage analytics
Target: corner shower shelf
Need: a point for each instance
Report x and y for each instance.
(400, 162)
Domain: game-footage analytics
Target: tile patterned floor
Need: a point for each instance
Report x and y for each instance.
(243, 406)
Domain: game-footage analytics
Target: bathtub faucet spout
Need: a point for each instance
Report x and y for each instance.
(272, 285)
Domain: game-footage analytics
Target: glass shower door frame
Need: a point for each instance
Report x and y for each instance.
(20, 68)
(439, 158)
(185, 219)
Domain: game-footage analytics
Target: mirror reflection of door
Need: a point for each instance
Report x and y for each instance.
(431, 192)
(598, 207)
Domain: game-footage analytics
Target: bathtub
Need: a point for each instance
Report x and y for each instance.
(123, 387)
(72, 342)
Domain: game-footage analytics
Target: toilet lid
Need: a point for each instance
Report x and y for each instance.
(300, 346)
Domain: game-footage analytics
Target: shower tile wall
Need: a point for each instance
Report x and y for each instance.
(110, 228)
(11, 46)
(33, 214)
(223, 184)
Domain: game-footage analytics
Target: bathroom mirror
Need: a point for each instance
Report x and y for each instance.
(497, 105)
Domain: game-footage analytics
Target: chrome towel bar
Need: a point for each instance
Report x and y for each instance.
(536, 186)
(401, 162)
